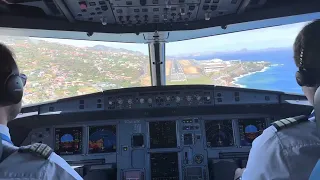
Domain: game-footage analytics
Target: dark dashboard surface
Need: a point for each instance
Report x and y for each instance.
(158, 133)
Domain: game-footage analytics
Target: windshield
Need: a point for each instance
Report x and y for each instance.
(58, 68)
(258, 59)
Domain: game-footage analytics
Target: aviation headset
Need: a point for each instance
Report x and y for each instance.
(304, 76)
(11, 83)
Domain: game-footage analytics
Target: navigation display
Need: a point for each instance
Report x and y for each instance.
(250, 129)
(102, 139)
(68, 140)
(219, 133)
(163, 134)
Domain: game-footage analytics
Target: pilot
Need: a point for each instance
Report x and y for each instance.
(36, 161)
(290, 148)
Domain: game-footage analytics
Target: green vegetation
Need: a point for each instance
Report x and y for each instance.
(57, 70)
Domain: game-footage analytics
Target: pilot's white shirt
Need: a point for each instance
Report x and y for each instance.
(290, 153)
(53, 158)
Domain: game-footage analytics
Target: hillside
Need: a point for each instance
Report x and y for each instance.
(55, 70)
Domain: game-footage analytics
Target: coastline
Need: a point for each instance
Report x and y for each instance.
(234, 82)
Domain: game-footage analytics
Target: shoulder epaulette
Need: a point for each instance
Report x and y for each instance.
(288, 122)
(40, 149)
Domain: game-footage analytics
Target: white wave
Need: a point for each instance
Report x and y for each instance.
(275, 65)
(238, 85)
(248, 74)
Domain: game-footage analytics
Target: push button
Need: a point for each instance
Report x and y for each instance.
(83, 5)
(92, 3)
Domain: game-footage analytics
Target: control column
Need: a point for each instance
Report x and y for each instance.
(157, 63)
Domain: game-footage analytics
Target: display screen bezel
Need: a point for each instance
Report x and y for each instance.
(250, 119)
(101, 125)
(81, 149)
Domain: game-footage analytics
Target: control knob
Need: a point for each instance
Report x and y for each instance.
(165, 17)
(168, 98)
(178, 99)
(120, 101)
(198, 158)
(150, 100)
(208, 97)
(141, 101)
(189, 98)
(110, 102)
(182, 12)
(198, 97)
(129, 101)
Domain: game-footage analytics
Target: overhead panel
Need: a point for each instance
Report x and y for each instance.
(92, 11)
(155, 14)
(126, 20)
(214, 8)
(141, 12)
(151, 2)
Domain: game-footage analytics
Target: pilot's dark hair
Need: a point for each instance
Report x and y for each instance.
(307, 46)
(7, 62)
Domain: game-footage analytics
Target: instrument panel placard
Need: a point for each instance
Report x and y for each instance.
(68, 141)
(102, 139)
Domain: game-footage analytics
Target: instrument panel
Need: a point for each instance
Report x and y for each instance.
(171, 97)
(159, 133)
(173, 148)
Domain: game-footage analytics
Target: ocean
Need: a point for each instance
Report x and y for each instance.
(279, 77)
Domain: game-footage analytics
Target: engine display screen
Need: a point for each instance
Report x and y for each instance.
(250, 129)
(102, 139)
(68, 140)
(164, 166)
(163, 134)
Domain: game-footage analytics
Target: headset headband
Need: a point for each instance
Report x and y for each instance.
(301, 59)
(13, 66)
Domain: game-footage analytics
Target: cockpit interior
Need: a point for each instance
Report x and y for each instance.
(159, 131)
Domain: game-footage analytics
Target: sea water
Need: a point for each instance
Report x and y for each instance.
(280, 76)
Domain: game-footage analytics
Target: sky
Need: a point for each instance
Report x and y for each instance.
(272, 37)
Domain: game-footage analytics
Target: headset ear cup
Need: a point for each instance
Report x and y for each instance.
(14, 89)
(304, 78)
(300, 78)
